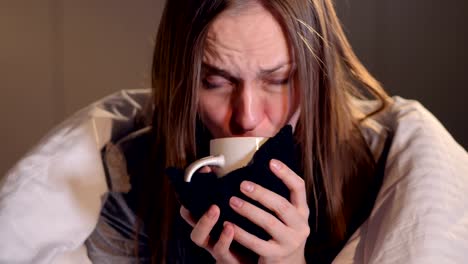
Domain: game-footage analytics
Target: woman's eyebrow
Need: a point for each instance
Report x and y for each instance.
(264, 72)
(209, 69)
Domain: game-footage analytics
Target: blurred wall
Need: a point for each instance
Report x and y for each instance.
(417, 49)
(57, 56)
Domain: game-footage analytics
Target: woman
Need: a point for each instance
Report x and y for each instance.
(247, 68)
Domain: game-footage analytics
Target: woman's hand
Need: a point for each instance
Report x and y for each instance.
(200, 235)
(289, 233)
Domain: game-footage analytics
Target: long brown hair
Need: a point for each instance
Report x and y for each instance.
(336, 163)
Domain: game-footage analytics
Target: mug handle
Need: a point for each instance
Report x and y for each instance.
(217, 160)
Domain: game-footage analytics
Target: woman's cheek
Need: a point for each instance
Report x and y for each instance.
(214, 113)
(278, 110)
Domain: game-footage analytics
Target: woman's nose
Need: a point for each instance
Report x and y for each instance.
(247, 111)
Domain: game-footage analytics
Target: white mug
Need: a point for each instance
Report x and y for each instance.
(227, 154)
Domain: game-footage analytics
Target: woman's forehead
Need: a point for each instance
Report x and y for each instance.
(251, 36)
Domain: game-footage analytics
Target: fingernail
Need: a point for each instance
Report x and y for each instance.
(247, 186)
(212, 212)
(227, 229)
(275, 164)
(236, 202)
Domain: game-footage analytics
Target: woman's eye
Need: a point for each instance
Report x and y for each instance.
(209, 85)
(216, 82)
(279, 81)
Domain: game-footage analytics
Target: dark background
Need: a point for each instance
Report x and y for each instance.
(417, 49)
(57, 56)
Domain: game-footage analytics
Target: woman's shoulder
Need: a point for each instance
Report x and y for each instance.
(414, 127)
(422, 192)
(422, 148)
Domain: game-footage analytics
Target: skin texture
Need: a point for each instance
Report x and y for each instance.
(246, 92)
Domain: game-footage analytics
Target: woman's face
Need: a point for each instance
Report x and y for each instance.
(247, 71)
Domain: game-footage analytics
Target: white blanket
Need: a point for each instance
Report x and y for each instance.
(421, 212)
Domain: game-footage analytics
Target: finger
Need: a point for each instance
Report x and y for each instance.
(201, 232)
(261, 218)
(187, 216)
(257, 245)
(205, 169)
(282, 208)
(295, 184)
(221, 250)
